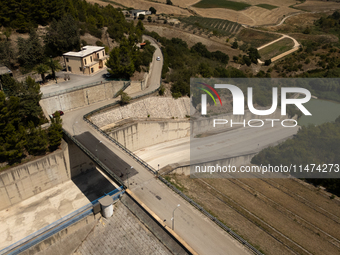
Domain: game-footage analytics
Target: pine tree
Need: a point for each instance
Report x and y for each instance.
(55, 132)
(36, 140)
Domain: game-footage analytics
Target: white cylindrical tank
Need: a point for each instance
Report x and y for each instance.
(106, 204)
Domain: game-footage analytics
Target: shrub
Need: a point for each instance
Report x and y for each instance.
(99, 43)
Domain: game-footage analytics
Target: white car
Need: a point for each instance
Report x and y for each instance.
(158, 58)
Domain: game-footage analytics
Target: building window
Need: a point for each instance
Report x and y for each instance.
(81, 69)
(91, 58)
(92, 70)
(69, 68)
(85, 61)
(103, 54)
(66, 59)
(97, 55)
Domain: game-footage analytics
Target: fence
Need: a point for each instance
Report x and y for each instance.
(152, 170)
(53, 228)
(60, 92)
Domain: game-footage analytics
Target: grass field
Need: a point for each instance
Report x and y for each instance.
(217, 26)
(237, 6)
(267, 6)
(256, 38)
(276, 49)
(277, 216)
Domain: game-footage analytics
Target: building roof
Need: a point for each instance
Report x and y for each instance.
(86, 50)
(4, 70)
(133, 11)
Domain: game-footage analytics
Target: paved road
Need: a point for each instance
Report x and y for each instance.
(75, 81)
(198, 231)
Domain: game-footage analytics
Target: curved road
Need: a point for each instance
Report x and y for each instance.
(198, 231)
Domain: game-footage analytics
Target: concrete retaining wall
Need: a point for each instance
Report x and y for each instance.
(22, 182)
(82, 97)
(144, 133)
(154, 107)
(27, 180)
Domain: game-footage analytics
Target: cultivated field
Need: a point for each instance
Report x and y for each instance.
(212, 44)
(219, 26)
(237, 6)
(277, 216)
(256, 38)
(276, 48)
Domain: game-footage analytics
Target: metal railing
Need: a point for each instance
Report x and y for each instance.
(60, 92)
(152, 170)
(53, 228)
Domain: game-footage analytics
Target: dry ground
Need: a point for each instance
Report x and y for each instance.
(278, 216)
(317, 6)
(145, 5)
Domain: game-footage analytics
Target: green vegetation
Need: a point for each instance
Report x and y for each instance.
(253, 38)
(276, 48)
(312, 144)
(127, 58)
(20, 120)
(237, 6)
(218, 27)
(330, 24)
(195, 62)
(267, 6)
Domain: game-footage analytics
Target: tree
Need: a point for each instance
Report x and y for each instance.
(253, 55)
(121, 63)
(124, 98)
(168, 2)
(149, 18)
(62, 36)
(141, 16)
(42, 69)
(234, 45)
(55, 132)
(30, 51)
(36, 140)
(14, 143)
(55, 66)
(267, 62)
(6, 53)
(152, 10)
(30, 109)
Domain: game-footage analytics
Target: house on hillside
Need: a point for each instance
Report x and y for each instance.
(136, 13)
(89, 60)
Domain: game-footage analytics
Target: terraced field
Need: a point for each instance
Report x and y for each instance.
(217, 26)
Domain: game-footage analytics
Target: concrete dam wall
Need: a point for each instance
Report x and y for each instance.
(82, 97)
(144, 133)
(32, 178)
(153, 107)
